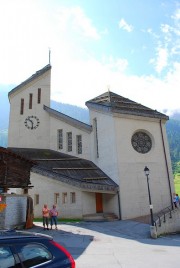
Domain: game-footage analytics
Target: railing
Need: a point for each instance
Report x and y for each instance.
(166, 212)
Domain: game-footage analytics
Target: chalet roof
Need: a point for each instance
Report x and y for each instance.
(67, 119)
(9, 152)
(115, 103)
(31, 78)
(72, 170)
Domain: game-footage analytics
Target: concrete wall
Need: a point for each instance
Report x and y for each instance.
(56, 124)
(14, 215)
(119, 160)
(132, 180)
(170, 225)
(46, 188)
(107, 148)
(18, 134)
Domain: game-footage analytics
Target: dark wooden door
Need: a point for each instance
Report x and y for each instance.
(99, 203)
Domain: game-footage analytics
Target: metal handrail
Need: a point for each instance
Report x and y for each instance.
(159, 221)
(164, 214)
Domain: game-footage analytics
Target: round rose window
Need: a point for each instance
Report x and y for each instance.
(141, 142)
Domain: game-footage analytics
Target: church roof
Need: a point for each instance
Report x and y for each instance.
(31, 78)
(69, 169)
(115, 103)
(67, 119)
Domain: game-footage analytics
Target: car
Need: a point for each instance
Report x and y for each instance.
(23, 249)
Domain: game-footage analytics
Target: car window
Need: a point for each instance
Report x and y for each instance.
(6, 257)
(33, 254)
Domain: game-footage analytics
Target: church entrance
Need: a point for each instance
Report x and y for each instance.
(99, 203)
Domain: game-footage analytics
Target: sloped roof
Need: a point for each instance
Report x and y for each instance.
(67, 119)
(72, 170)
(30, 79)
(115, 103)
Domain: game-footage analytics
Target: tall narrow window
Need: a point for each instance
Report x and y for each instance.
(79, 144)
(56, 198)
(36, 199)
(69, 141)
(30, 100)
(96, 137)
(22, 106)
(60, 139)
(39, 95)
(73, 197)
(64, 198)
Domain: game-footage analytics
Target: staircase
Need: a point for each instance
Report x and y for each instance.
(108, 216)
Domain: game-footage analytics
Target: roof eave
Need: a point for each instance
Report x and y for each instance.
(88, 186)
(110, 109)
(30, 79)
(67, 119)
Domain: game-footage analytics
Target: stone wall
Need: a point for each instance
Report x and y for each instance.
(14, 215)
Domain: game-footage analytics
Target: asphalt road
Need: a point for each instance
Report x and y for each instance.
(118, 244)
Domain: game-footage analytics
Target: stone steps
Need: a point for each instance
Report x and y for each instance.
(100, 217)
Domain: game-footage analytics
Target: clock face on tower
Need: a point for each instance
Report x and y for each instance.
(32, 122)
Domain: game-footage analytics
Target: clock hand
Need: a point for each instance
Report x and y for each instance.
(31, 123)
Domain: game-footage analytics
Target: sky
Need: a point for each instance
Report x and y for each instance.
(130, 47)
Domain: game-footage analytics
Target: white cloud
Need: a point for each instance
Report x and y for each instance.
(176, 15)
(29, 30)
(77, 75)
(79, 22)
(84, 80)
(162, 59)
(125, 26)
(165, 28)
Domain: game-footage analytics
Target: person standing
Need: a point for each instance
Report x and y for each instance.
(45, 214)
(175, 200)
(53, 216)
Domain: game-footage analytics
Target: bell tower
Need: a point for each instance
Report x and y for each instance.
(29, 122)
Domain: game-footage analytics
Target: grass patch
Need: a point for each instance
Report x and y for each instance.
(59, 220)
(177, 183)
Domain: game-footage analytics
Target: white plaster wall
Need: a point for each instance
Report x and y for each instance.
(56, 124)
(110, 204)
(89, 203)
(46, 188)
(132, 180)
(18, 134)
(107, 148)
(125, 166)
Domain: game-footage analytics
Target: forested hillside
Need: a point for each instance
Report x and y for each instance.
(173, 133)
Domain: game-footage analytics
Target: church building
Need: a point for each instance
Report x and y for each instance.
(95, 168)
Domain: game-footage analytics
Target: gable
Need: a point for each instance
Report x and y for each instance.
(114, 103)
(31, 79)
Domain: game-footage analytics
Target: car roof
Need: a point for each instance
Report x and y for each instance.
(15, 234)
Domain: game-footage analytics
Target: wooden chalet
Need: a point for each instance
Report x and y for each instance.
(14, 170)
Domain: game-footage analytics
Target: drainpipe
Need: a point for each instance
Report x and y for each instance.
(167, 168)
(119, 206)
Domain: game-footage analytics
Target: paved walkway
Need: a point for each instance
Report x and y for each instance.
(118, 244)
